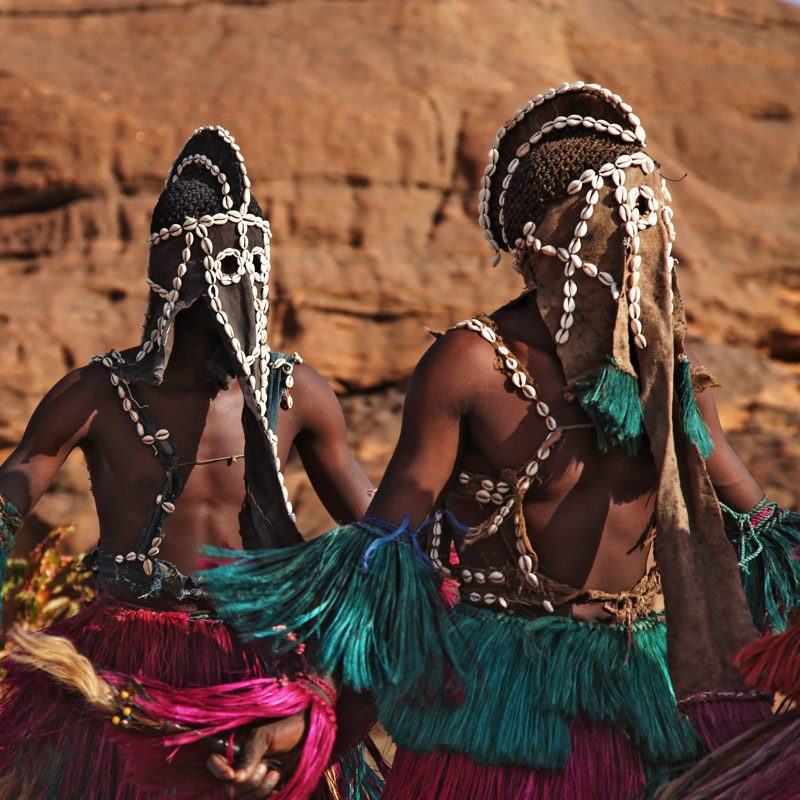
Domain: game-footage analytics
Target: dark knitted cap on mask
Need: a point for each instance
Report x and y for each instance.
(570, 191)
(542, 177)
(197, 194)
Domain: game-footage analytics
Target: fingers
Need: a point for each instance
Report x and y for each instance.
(282, 735)
(259, 784)
(252, 773)
(220, 768)
(258, 743)
(264, 782)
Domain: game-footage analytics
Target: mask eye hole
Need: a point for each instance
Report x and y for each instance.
(229, 265)
(642, 205)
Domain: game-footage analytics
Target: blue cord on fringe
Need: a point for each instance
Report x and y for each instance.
(371, 629)
(403, 529)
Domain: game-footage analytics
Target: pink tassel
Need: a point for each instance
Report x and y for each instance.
(448, 592)
(223, 708)
(50, 739)
(604, 764)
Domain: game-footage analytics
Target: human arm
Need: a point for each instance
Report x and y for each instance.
(426, 451)
(270, 752)
(57, 425)
(765, 537)
(732, 481)
(418, 472)
(321, 442)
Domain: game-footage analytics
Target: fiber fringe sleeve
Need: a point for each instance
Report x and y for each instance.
(767, 541)
(772, 663)
(10, 522)
(363, 596)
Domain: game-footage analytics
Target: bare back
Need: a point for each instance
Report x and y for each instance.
(204, 422)
(588, 514)
(127, 478)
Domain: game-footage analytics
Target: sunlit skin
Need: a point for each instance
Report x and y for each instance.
(587, 518)
(83, 411)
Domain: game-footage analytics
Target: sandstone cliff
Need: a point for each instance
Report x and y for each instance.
(365, 124)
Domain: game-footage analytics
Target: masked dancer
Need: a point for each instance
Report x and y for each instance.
(184, 437)
(558, 468)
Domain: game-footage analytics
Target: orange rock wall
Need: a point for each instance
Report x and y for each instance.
(365, 125)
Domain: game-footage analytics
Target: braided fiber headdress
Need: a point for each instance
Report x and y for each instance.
(210, 242)
(571, 192)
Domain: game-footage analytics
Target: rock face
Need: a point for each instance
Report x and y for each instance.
(365, 126)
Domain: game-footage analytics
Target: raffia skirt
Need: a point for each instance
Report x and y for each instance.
(553, 709)
(53, 747)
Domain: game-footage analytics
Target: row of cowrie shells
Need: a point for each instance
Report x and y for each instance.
(525, 561)
(111, 361)
(629, 213)
(489, 486)
(511, 367)
(209, 220)
(637, 133)
(488, 598)
(527, 567)
(287, 366)
(495, 576)
(436, 544)
(666, 216)
(490, 492)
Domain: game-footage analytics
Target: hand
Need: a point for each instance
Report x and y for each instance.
(253, 778)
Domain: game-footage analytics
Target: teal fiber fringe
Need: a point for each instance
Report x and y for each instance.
(530, 678)
(4, 551)
(358, 780)
(10, 520)
(383, 626)
(767, 542)
(693, 425)
(611, 401)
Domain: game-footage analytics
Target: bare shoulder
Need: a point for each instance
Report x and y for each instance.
(457, 359)
(63, 415)
(79, 387)
(314, 403)
(310, 387)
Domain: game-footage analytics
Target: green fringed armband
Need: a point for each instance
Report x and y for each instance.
(10, 522)
(767, 542)
(693, 424)
(611, 401)
(363, 597)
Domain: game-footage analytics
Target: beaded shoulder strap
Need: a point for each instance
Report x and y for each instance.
(510, 365)
(507, 494)
(280, 382)
(163, 448)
